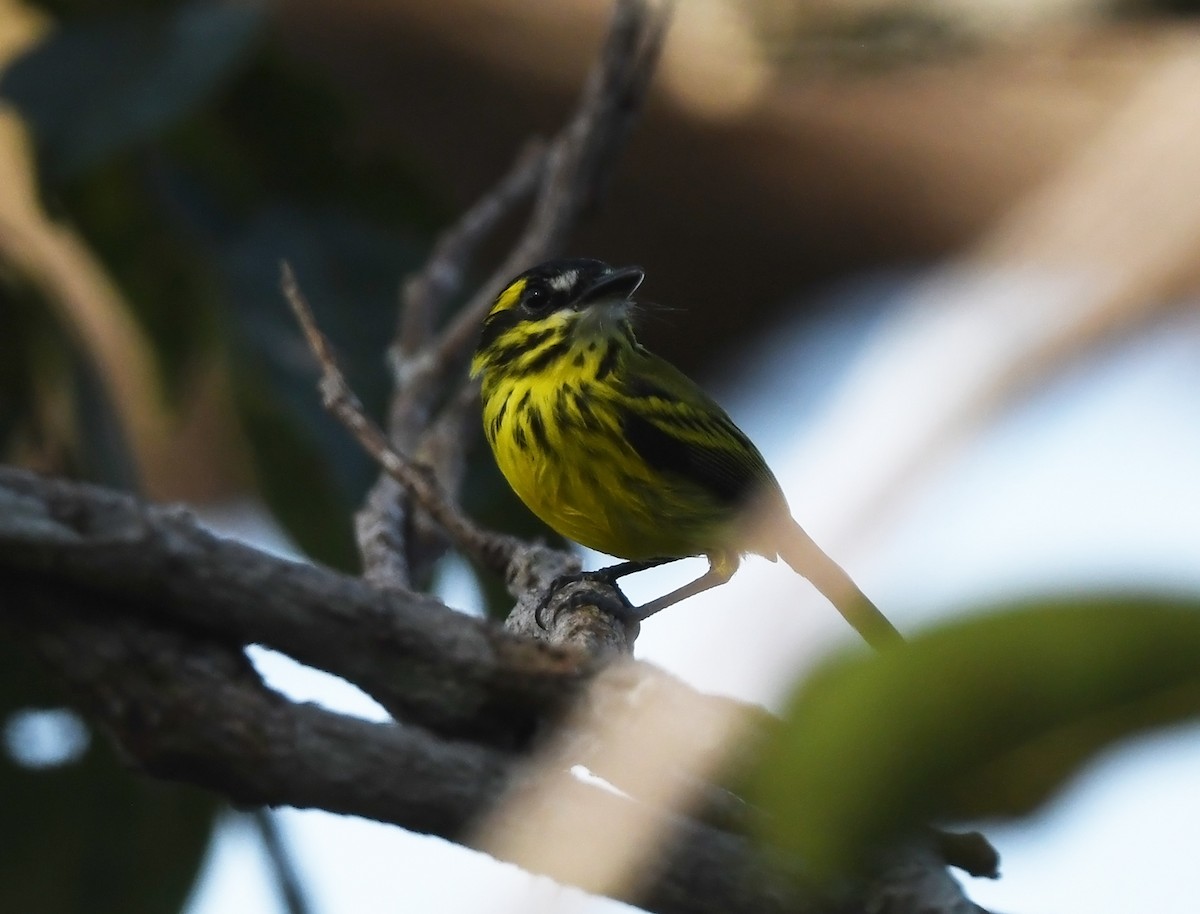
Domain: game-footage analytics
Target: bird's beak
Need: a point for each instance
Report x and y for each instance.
(618, 285)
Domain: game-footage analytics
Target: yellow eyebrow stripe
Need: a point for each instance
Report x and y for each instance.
(508, 298)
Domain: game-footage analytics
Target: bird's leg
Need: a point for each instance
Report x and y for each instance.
(608, 576)
(720, 570)
(707, 581)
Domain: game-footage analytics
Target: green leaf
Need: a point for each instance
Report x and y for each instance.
(89, 835)
(128, 212)
(984, 717)
(96, 86)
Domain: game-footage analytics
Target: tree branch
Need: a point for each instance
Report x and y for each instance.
(280, 861)
(573, 170)
(581, 157)
(529, 568)
(397, 546)
(429, 292)
(423, 662)
(187, 707)
(491, 550)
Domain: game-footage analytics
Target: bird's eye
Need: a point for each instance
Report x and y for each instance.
(536, 300)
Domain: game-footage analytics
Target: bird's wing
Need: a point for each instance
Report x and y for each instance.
(679, 430)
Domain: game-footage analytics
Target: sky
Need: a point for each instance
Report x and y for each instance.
(1090, 482)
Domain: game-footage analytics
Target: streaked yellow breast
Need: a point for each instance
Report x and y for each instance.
(557, 438)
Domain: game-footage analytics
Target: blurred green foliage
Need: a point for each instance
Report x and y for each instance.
(193, 155)
(983, 717)
(130, 77)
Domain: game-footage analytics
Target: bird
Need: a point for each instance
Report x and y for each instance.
(615, 448)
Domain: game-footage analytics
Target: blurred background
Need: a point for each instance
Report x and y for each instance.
(938, 258)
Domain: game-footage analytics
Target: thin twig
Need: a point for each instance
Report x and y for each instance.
(573, 171)
(611, 99)
(287, 880)
(492, 550)
(427, 292)
(580, 158)
(380, 529)
(443, 448)
(416, 379)
(397, 545)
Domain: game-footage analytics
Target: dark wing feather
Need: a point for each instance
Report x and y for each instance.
(678, 430)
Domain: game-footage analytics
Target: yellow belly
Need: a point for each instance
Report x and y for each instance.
(575, 471)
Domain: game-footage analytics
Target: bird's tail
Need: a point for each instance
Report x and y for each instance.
(806, 558)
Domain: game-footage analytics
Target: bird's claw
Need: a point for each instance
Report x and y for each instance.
(618, 606)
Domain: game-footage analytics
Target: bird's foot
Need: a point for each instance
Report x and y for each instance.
(618, 606)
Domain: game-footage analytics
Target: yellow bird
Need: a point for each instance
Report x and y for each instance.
(617, 449)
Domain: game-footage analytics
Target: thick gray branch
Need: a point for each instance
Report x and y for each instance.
(187, 707)
(145, 615)
(422, 661)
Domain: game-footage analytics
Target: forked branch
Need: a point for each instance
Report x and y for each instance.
(569, 174)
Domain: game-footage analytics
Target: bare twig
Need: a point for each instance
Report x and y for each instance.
(588, 147)
(528, 568)
(428, 292)
(442, 448)
(580, 159)
(398, 545)
(379, 528)
(279, 857)
(491, 550)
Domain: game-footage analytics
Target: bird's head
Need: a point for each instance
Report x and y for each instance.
(559, 302)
